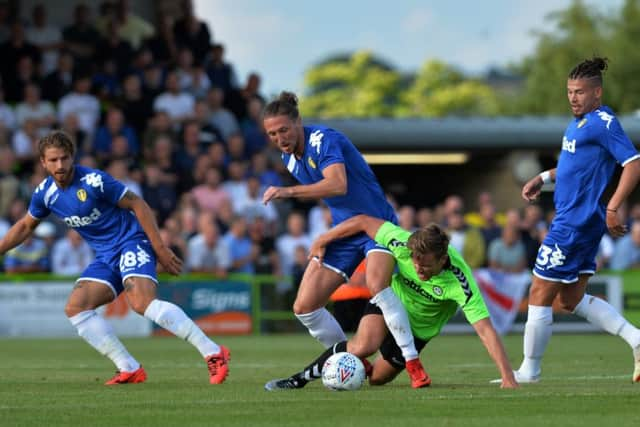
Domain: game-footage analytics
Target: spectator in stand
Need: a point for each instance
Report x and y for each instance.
(161, 197)
(236, 148)
(252, 88)
(25, 143)
(113, 48)
(132, 27)
(286, 243)
(191, 32)
(267, 261)
(218, 155)
(424, 217)
(208, 133)
(209, 194)
(135, 106)
(114, 125)
(261, 168)
(81, 38)
(221, 118)
(466, 239)
(7, 116)
(626, 253)
(489, 228)
(165, 160)
(507, 253)
(407, 217)
(225, 216)
(189, 150)
(605, 252)
(178, 105)
(206, 252)
(47, 38)
(236, 185)
(81, 103)
(9, 184)
(59, 82)
(153, 78)
(243, 252)
(319, 219)
(252, 204)
(221, 73)
(531, 226)
(35, 109)
(71, 126)
(170, 235)
(119, 170)
(159, 126)
(12, 52)
(252, 128)
(31, 256)
(163, 43)
(70, 255)
(25, 74)
(191, 77)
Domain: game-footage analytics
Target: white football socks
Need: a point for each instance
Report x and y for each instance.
(537, 332)
(171, 317)
(602, 314)
(323, 326)
(99, 334)
(397, 320)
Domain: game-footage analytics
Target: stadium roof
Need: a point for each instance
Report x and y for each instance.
(461, 133)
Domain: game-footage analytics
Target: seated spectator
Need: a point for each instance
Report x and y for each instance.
(161, 197)
(114, 125)
(605, 252)
(287, 243)
(112, 48)
(59, 82)
(252, 204)
(70, 255)
(319, 219)
(243, 252)
(192, 32)
(626, 252)
(190, 148)
(131, 27)
(210, 194)
(159, 126)
(20, 59)
(489, 227)
(163, 156)
(191, 78)
(31, 256)
(47, 38)
(267, 261)
(206, 252)
(25, 142)
(25, 74)
(33, 108)
(9, 183)
(220, 72)
(81, 103)
(81, 38)
(507, 253)
(254, 135)
(220, 117)
(153, 78)
(208, 133)
(424, 217)
(236, 184)
(178, 105)
(7, 116)
(467, 240)
(71, 125)
(163, 43)
(260, 167)
(106, 81)
(407, 217)
(119, 169)
(135, 106)
(171, 236)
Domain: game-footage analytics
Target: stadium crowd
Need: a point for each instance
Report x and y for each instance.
(161, 109)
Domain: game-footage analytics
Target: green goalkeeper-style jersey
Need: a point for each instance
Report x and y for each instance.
(430, 304)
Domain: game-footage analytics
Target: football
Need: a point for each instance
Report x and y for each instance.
(343, 371)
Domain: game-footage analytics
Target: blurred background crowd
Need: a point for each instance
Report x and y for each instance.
(159, 107)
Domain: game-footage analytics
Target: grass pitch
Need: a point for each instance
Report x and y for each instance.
(50, 382)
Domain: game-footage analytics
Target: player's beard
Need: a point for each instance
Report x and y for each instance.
(63, 176)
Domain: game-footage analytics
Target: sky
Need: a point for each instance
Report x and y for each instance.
(280, 39)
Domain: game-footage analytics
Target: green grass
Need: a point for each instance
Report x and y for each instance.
(51, 382)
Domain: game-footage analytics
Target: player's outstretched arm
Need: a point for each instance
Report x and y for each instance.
(628, 181)
(353, 225)
(18, 233)
(493, 344)
(531, 190)
(144, 214)
(333, 184)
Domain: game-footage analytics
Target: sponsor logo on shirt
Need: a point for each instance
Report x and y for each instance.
(82, 195)
(78, 221)
(569, 146)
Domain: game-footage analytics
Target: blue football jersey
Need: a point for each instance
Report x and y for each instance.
(323, 147)
(591, 148)
(89, 204)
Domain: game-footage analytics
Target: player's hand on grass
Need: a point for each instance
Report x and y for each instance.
(615, 226)
(531, 189)
(170, 261)
(509, 381)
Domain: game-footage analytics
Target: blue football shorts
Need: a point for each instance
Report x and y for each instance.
(344, 255)
(566, 253)
(135, 258)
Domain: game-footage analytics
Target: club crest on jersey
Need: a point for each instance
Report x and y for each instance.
(582, 123)
(82, 195)
(437, 290)
(312, 163)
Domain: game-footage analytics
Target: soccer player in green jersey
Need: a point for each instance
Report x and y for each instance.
(432, 281)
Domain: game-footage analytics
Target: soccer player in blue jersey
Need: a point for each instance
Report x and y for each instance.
(593, 144)
(120, 228)
(328, 166)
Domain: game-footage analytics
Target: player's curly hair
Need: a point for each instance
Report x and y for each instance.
(590, 69)
(430, 239)
(285, 105)
(57, 139)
